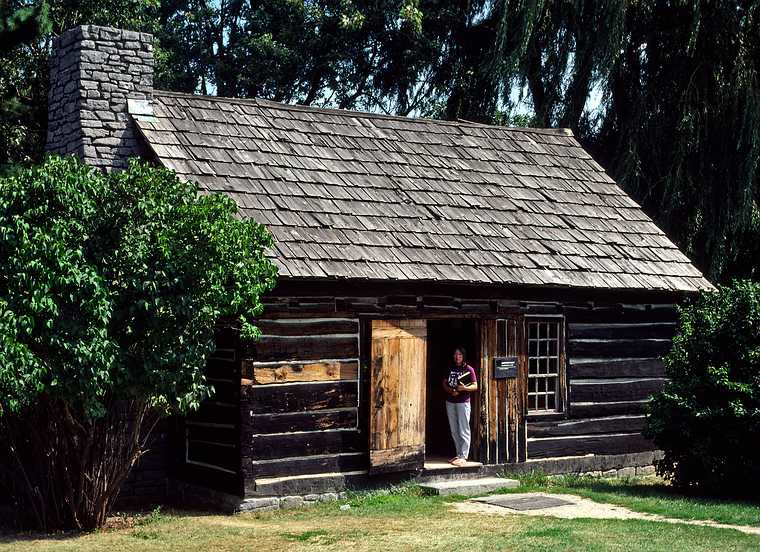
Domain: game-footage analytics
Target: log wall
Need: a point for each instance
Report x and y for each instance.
(303, 396)
(613, 367)
(612, 362)
(209, 453)
(300, 397)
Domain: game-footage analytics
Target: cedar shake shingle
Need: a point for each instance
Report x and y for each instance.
(366, 196)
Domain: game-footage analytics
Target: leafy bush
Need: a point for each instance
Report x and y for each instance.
(110, 288)
(707, 418)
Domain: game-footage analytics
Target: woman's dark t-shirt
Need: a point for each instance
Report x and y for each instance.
(452, 378)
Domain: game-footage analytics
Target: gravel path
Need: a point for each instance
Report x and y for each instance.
(585, 508)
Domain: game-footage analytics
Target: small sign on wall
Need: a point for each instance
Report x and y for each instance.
(505, 367)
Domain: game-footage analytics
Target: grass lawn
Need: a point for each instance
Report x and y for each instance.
(401, 520)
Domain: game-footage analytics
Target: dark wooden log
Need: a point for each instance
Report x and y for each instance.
(657, 330)
(214, 454)
(225, 391)
(222, 369)
(399, 459)
(401, 300)
(306, 465)
(541, 308)
(223, 354)
(618, 348)
(288, 288)
(267, 447)
(360, 305)
(476, 307)
(227, 333)
(308, 327)
(614, 389)
(587, 444)
(297, 306)
(536, 417)
(365, 378)
(615, 424)
(214, 433)
(343, 418)
(211, 478)
(619, 314)
(616, 368)
(273, 399)
(272, 348)
(214, 411)
(600, 409)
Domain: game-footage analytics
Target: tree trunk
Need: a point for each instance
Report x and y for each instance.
(63, 470)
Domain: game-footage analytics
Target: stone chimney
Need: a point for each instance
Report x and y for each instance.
(94, 71)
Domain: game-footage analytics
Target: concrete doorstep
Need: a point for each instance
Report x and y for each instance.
(469, 487)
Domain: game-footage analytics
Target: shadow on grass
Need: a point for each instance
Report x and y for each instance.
(138, 519)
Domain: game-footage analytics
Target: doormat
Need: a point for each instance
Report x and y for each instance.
(523, 503)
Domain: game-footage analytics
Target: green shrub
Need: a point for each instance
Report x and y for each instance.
(110, 289)
(707, 418)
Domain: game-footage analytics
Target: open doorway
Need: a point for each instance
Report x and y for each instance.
(443, 336)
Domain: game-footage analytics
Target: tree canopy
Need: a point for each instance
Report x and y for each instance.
(664, 94)
(112, 285)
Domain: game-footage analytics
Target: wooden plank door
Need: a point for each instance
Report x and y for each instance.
(502, 403)
(397, 395)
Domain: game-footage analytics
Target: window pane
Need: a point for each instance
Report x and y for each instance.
(543, 362)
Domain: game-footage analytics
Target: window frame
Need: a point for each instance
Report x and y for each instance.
(561, 377)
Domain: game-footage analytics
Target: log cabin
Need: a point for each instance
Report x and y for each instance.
(396, 239)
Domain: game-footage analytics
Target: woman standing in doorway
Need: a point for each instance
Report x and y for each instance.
(459, 382)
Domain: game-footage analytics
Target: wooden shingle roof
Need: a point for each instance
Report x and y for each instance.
(365, 196)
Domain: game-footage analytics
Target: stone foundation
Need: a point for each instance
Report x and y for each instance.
(621, 465)
(263, 504)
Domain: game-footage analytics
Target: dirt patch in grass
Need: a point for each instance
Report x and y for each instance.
(582, 508)
(650, 495)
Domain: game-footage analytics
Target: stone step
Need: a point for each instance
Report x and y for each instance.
(469, 487)
(473, 470)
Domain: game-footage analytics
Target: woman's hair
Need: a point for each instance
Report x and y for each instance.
(463, 351)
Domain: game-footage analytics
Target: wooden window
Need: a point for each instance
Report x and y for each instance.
(545, 366)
